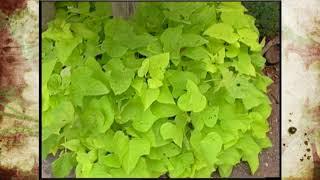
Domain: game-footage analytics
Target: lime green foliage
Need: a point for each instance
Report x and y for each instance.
(178, 88)
(267, 15)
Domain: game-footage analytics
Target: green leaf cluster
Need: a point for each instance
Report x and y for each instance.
(175, 89)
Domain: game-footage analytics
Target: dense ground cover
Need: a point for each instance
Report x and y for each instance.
(175, 89)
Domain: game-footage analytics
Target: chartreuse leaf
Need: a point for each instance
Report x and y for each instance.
(149, 96)
(143, 70)
(264, 142)
(64, 48)
(237, 19)
(170, 39)
(244, 65)
(99, 171)
(167, 150)
(144, 120)
(156, 66)
(138, 85)
(201, 18)
(263, 109)
(177, 89)
(195, 138)
(99, 115)
(175, 131)
(185, 9)
(49, 145)
(258, 60)
(57, 117)
(141, 169)
(114, 49)
(210, 146)
(136, 149)
(155, 130)
(250, 150)
(119, 73)
(164, 110)
(108, 111)
(203, 172)
(229, 136)
(254, 98)
(233, 50)
(231, 7)
(120, 145)
(170, 131)
(99, 141)
(156, 167)
(129, 111)
(221, 54)
(196, 53)
(250, 38)
(180, 164)
(110, 160)
(192, 40)
(222, 31)
(83, 31)
(233, 120)
(83, 84)
(58, 29)
(259, 126)
(118, 173)
(74, 145)
(165, 96)
(227, 160)
(178, 81)
(62, 166)
(192, 100)
(85, 163)
(262, 82)
(208, 116)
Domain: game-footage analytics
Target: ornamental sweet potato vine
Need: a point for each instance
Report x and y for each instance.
(177, 88)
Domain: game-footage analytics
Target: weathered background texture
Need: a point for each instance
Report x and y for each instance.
(300, 88)
(19, 92)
